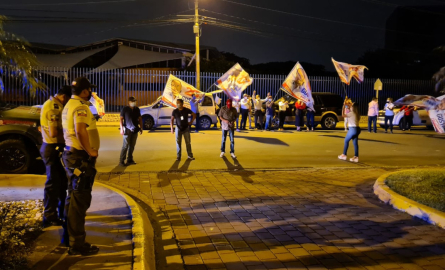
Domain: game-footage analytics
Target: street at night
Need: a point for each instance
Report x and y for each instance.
(222, 134)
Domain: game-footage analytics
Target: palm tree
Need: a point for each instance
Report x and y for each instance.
(16, 58)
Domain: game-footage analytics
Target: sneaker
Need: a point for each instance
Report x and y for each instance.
(221, 155)
(178, 159)
(191, 158)
(233, 155)
(237, 130)
(354, 159)
(85, 250)
(392, 132)
(342, 157)
(386, 131)
(131, 163)
(121, 164)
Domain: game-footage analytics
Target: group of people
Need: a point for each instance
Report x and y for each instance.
(373, 111)
(70, 148)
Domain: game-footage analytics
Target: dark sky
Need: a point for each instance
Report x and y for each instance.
(306, 30)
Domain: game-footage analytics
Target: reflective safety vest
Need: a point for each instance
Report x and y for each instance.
(77, 111)
(51, 116)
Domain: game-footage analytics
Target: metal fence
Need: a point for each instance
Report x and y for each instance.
(115, 86)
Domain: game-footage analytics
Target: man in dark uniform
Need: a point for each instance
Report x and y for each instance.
(79, 158)
(181, 115)
(54, 194)
(131, 125)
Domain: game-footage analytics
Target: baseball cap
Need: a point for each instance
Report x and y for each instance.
(132, 99)
(82, 83)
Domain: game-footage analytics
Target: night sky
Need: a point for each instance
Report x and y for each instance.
(306, 30)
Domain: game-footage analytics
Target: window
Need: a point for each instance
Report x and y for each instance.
(207, 101)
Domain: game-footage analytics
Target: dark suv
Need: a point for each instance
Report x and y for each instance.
(327, 110)
(20, 138)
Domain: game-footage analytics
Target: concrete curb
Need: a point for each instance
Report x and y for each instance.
(404, 204)
(139, 232)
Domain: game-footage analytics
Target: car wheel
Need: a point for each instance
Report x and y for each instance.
(382, 126)
(14, 157)
(329, 122)
(430, 127)
(205, 122)
(148, 122)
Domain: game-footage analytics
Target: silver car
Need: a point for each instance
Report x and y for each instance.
(420, 118)
(158, 114)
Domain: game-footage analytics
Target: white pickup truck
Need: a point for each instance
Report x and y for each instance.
(158, 114)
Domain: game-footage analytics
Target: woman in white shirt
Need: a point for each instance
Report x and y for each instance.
(283, 105)
(353, 132)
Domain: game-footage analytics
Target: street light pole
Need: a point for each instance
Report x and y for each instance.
(196, 30)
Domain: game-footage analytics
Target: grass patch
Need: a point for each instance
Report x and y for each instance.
(20, 225)
(423, 186)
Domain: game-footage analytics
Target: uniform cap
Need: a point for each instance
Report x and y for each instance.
(82, 83)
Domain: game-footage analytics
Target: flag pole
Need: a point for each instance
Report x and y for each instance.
(276, 94)
(209, 88)
(344, 89)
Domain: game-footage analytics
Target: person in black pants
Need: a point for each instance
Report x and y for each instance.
(131, 125)
(283, 105)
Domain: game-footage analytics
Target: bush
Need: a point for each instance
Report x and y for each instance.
(20, 225)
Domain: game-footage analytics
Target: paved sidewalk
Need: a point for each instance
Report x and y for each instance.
(303, 219)
(108, 225)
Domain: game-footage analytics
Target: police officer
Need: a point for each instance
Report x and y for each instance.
(79, 158)
(54, 194)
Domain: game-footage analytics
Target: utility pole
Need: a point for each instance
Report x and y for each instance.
(197, 32)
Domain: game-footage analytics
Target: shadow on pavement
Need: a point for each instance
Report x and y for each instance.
(237, 169)
(273, 141)
(180, 173)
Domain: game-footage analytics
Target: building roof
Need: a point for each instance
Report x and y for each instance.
(56, 48)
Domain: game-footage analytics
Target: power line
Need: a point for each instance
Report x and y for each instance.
(69, 4)
(307, 16)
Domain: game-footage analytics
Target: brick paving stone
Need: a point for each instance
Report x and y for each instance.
(302, 219)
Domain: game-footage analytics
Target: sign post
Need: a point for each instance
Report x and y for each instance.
(378, 86)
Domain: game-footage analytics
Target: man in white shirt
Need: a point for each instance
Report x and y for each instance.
(245, 107)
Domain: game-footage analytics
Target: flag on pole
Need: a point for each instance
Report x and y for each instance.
(234, 82)
(178, 89)
(348, 71)
(298, 86)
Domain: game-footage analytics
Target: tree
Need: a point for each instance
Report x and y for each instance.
(16, 58)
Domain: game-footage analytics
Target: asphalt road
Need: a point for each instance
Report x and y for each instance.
(156, 150)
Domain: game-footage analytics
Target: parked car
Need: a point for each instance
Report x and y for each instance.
(157, 114)
(420, 118)
(327, 107)
(20, 138)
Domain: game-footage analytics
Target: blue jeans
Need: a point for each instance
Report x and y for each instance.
(388, 119)
(310, 119)
(244, 115)
(186, 134)
(268, 120)
(352, 135)
(372, 120)
(237, 120)
(128, 146)
(232, 140)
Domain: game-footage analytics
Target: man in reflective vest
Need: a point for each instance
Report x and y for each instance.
(79, 158)
(54, 194)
